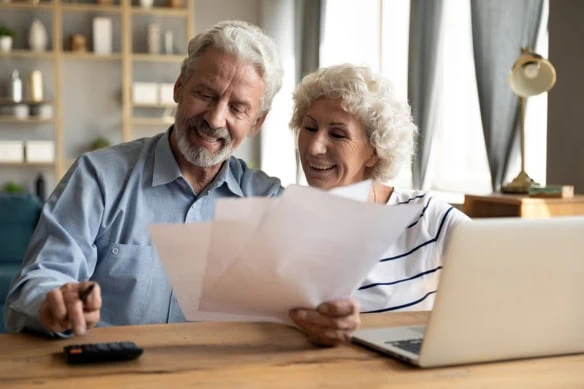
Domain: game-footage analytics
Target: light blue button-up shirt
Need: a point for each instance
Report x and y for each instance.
(94, 226)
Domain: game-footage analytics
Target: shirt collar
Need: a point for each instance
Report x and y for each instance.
(232, 182)
(227, 178)
(166, 168)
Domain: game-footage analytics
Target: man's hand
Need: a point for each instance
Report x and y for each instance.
(331, 323)
(63, 309)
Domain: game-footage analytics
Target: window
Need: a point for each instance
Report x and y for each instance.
(376, 32)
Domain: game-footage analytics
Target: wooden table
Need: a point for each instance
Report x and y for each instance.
(259, 355)
(507, 205)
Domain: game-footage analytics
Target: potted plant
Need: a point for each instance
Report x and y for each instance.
(99, 143)
(6, 36)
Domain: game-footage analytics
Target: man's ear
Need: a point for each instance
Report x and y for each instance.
(178, 86)
(258, 124)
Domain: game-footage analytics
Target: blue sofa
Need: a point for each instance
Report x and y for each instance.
(19, 214)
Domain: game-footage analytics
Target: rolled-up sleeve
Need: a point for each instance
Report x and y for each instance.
(62, 248)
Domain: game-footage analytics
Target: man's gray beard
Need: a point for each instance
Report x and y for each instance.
(200, 156)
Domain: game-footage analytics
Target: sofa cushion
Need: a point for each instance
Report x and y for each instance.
(19, 214)
(7, 273)
(2, 328)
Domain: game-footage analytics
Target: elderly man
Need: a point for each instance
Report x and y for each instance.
(92, 245)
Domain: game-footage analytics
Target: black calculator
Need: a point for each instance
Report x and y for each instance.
(102, 352)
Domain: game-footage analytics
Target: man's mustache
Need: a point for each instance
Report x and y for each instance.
(204, 127)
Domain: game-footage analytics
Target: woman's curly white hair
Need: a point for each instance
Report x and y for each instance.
(372, 98)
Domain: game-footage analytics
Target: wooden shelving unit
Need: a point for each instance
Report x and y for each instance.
(115, 9)
(91, 57)
(162, 106)
(147, 122)
(123, 11)
(28, 164)
(29, 54)
(161, 11)
(157, 57)
(29, 120)
(28, 5)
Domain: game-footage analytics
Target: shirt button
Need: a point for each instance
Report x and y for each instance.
(115, 251)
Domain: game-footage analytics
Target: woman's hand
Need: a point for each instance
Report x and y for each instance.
(331, 323)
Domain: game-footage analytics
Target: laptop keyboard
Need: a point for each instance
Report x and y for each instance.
(411, 345)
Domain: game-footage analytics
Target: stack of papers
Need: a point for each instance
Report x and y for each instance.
(261, 257)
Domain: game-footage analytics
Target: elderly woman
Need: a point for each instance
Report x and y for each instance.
(350, 127)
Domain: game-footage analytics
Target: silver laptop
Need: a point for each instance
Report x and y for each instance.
(510, 288)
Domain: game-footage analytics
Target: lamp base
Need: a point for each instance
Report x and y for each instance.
(520, 184)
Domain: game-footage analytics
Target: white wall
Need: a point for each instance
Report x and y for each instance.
(209, 12)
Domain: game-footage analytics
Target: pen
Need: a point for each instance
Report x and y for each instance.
(83, 295)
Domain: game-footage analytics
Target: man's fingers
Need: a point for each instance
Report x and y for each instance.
(76, 318)
(63, 309)
(56, 304)
(93, 301)
(50, 321)
(74, 308)
(91, 319)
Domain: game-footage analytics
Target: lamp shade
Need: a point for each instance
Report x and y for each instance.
(531, 74)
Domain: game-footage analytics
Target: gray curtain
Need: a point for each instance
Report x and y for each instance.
(425, 22)
(308, 35)
(500, 28)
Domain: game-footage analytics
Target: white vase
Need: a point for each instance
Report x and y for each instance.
(168, 42)
(153, 38)
(38, 38)
(146, 3)
(5, 44)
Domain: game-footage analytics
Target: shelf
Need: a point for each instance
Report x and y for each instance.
(151, 122)
(5, 101)
(161, 106)
(29, 54)
(161, 11)
(158, 57)
(29, 120)
(46, 6)
(91, 56)
(91, 8)
(129, 18)
(27, 164)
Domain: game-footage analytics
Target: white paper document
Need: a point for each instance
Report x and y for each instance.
(261, 257)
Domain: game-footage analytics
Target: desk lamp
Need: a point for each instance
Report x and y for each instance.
(531, 75)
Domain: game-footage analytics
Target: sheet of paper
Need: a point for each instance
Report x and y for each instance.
(309, 247)
(358, 192)
(183, 250)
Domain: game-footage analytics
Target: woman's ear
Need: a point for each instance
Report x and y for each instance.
(372, 161)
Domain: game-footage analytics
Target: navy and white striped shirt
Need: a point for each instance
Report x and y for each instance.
(407, 275)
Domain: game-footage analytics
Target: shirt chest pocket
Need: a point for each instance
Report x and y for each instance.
(124, 272)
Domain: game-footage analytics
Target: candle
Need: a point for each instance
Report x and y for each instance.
(35, 86)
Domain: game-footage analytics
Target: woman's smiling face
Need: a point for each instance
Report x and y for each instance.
(333, 146)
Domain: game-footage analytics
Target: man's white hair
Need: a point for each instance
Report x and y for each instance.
(372, 98)
(245, 42)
